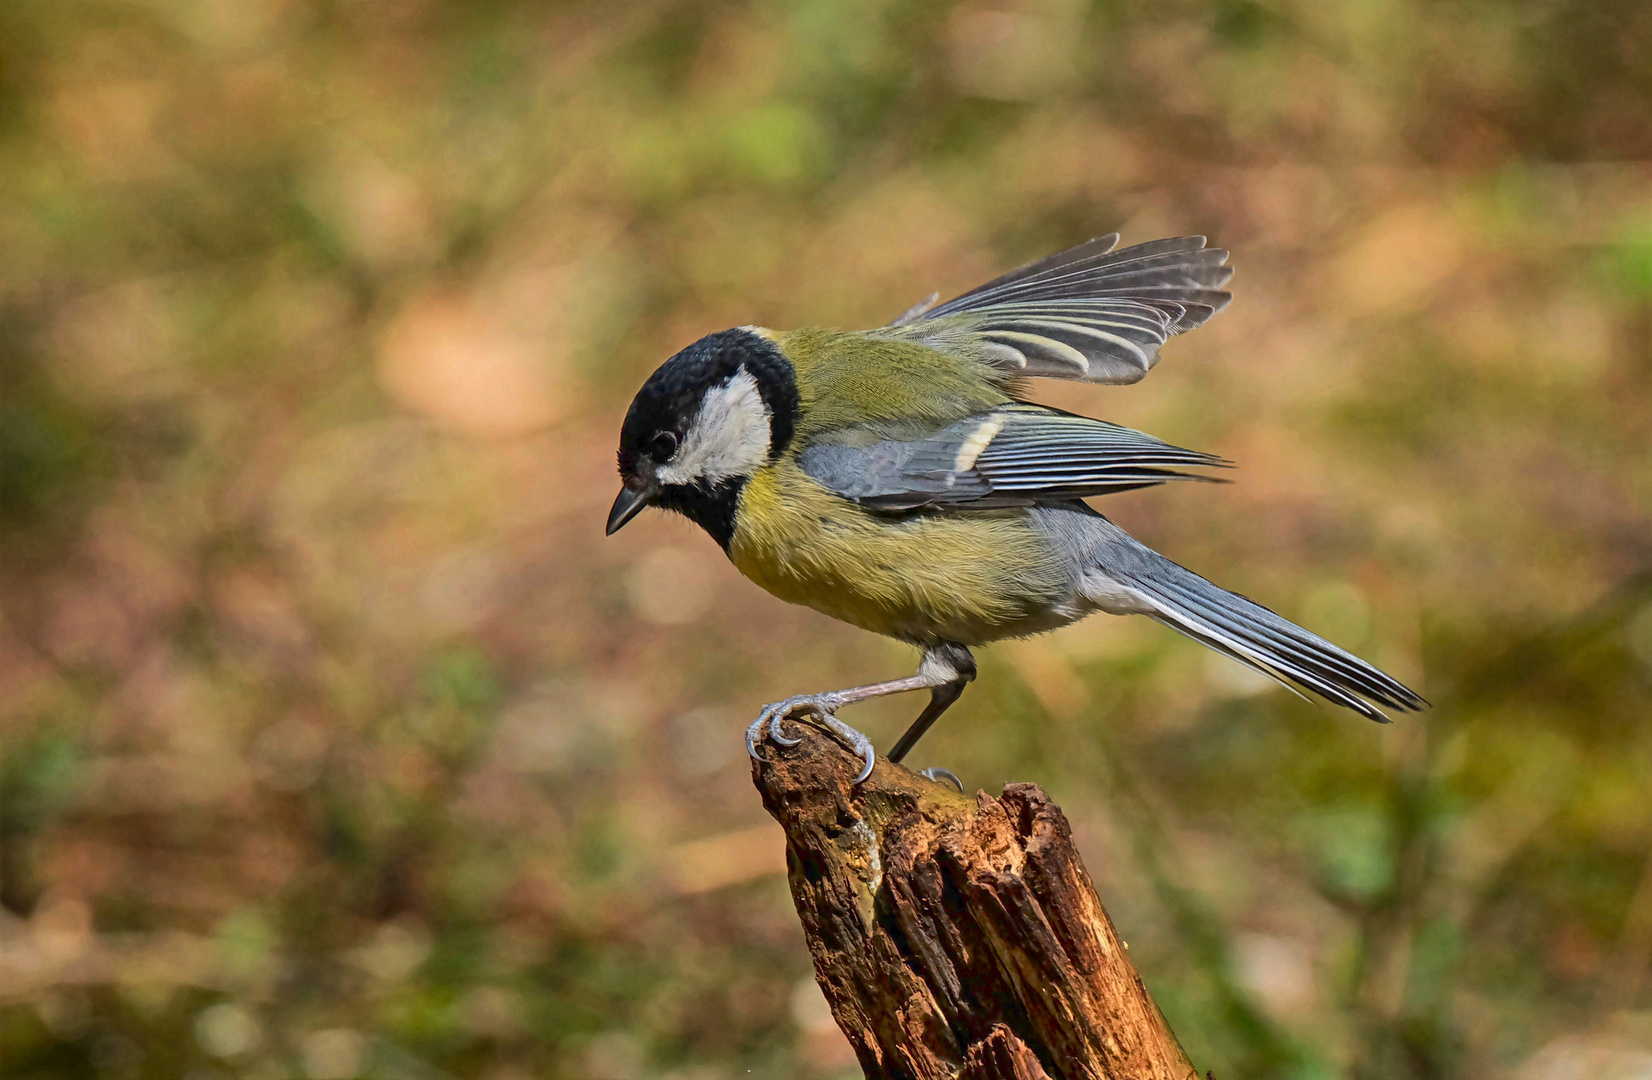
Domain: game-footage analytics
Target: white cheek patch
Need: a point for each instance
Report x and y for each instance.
(728, 437)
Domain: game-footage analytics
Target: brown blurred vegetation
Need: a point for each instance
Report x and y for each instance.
(337, 742)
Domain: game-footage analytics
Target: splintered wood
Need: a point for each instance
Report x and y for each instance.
(957, 937)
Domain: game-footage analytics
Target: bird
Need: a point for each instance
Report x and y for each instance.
(898, 478)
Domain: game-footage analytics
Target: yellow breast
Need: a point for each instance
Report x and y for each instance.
(967, 578)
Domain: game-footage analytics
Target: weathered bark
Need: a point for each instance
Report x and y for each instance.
(957, 937)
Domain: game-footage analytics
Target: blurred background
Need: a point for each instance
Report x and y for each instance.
(337, 741)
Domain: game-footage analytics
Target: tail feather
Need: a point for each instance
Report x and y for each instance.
(1248, 632)
(1307, 651)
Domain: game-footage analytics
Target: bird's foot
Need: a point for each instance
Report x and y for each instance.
(768, 722)
(938, 774)
(824, 708)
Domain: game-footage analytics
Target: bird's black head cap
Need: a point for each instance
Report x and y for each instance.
(699, 423)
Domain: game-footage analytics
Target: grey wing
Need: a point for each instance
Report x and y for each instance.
(1089, 313)
(1016, 455)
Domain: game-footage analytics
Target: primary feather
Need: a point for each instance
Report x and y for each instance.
(1089, 313)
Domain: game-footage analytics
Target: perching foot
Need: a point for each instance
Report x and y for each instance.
(822, 707)
(938, 774)
(859, 743)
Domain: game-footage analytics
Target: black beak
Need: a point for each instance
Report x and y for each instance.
(629, 504)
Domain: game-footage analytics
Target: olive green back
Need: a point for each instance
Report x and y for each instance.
(857, 387)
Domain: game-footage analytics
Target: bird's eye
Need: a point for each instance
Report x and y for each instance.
(663, 446)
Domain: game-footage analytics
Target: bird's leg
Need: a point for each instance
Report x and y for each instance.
(940, 668)
(940, 700)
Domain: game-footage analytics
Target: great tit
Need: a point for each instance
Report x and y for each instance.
(896, 479)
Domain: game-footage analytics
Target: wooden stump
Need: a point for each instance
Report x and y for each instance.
(957, 936)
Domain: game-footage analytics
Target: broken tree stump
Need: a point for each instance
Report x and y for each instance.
(957, 937)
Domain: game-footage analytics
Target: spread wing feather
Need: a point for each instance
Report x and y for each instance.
(1011, 456)
(1089, 313)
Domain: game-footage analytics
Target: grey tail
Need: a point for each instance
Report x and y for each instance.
(1250, 633)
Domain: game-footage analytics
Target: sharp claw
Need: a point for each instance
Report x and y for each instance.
(937, 774)
(768, 722)
(857, 742)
